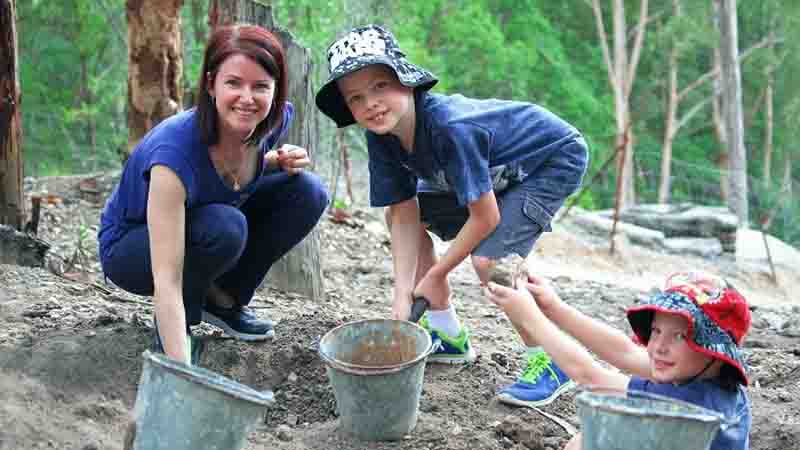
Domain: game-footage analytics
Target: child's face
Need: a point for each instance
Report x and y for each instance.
(377, 100)
(671, 358)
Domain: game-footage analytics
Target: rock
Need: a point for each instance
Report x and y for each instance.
(284, 433)
(684, 219)
(598, 224)
(703, 247)
(507, 269)
(21, 249)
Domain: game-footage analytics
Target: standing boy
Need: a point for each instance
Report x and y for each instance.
(487, 174)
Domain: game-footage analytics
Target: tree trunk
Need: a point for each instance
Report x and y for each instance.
(301, 269)
(12, 208)
(768, 105)
(787, 175)
(732, 101)
(671, 117)
(621, 75)
(155, 64)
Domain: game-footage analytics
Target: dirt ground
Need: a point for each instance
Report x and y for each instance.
(70, 344)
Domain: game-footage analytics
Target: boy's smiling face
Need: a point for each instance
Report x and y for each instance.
(671, 358)
(378, 101)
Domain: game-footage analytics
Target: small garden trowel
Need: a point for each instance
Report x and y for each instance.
(418, 308)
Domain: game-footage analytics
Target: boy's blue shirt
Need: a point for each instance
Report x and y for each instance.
(734, 405)
(469, 147)
(174, 143)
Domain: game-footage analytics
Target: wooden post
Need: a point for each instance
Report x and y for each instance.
(12, 208)
(301, 269)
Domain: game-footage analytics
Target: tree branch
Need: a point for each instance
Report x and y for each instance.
(692, 112)
(637, 48)
(712, 73)
(601, 32)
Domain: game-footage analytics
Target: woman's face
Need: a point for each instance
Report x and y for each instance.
(243, 93)
(671, 358)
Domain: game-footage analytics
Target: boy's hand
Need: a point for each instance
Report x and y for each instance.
(290, 158)
(434, 287)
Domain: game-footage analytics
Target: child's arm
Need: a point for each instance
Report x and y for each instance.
(608, 343)
(405, 233)
(484, 215)
(483, 218)
(573, 359)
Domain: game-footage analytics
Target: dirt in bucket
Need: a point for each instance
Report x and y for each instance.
(375, 351)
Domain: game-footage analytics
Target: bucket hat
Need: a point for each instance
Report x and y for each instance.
(718, 316)
(361, 47)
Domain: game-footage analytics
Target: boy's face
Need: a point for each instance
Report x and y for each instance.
(671, 358)
(377, 100)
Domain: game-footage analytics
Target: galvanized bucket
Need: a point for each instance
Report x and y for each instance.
(376, 369)
(182, 407)
(624, 420)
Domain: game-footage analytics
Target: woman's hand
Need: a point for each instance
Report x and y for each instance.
(290, 158)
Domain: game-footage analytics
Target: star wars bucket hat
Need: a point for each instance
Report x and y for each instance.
(361, 47)
(718, 316)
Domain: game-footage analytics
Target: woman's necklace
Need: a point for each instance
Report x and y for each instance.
(236, 186)
(232, 175)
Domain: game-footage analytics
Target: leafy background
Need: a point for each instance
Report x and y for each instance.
(74, 78)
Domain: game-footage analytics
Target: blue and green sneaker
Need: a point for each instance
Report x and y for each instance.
(541, 382)
(448, 349)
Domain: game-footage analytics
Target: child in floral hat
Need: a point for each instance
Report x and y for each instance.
(687, 344)
(487, 174)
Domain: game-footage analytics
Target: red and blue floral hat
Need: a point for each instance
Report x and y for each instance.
(718, 316)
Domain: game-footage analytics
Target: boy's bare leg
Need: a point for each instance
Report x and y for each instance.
(426, 259)
(574, 443)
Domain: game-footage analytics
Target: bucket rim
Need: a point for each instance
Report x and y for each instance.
(210, 379)
(359, 369)
(587, 396)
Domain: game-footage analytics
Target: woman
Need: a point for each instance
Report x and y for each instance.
(205, 205)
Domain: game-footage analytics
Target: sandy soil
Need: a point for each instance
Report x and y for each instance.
(70, 344)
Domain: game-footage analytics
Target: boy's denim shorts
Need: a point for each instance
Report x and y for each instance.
(526, 209)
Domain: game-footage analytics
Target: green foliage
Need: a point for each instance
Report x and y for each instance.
(74, 78)
(73, 84)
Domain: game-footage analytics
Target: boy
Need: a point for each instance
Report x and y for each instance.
(692, 331)
(487, 174)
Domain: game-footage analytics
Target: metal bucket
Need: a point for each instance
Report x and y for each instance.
(376, 368)
(624, 420)
(182, 407)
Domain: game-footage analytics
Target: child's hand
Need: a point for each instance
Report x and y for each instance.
(518, 304)
(434, 287)
(541, 290)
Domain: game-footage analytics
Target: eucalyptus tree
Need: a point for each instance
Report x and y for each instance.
(622, 64)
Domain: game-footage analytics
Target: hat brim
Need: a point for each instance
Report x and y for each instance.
(330, 101)
(707, 337)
